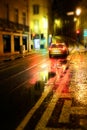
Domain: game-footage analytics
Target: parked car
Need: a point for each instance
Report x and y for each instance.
(58, 49)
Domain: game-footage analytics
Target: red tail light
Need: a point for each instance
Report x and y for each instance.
(64, 48)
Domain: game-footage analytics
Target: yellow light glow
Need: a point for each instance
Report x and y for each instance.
(58, 23)
(70, 13)
(78, 11)
(45, 23)
(75, 19)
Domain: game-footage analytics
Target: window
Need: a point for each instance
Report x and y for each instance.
(16, 15)
(35, 9)
(24, 18)
(7, 43)
(42, 36)
(36, 25)
(7, 11)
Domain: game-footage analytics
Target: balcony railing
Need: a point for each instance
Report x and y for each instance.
(9, 25)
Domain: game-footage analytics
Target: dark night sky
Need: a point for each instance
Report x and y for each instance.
(63, 6)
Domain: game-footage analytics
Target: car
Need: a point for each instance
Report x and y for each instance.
(58, 49)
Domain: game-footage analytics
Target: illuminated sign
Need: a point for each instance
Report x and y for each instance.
(37, 43)
(85, 32)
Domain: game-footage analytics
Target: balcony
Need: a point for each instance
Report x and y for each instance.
(12, 26)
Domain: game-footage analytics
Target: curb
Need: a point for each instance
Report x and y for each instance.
(14, 57)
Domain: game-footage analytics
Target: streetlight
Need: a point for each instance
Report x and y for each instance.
(78, 12)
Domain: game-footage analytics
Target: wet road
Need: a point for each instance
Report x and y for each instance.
(38, 93)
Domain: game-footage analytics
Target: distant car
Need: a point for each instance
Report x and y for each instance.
(58, 49)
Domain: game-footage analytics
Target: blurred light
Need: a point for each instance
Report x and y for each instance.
(44, 65)
(85, 32)
(78, 11)
(50, 35)
(58, 23)
(70, 13)
(45, 23)
(75, 19)
(77, 31)
(44, 76)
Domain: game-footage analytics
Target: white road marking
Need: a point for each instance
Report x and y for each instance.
(64, 117)
(31, 112)
(47, 114)
(41, 125)
(21, 72)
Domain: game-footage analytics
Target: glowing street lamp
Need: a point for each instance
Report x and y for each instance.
(78, 11)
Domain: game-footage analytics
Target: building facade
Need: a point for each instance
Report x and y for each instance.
(83, 25)
(14, 26)
(24, 25)
(40, 22)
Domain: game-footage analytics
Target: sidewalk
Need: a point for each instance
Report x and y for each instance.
(9, 57)
(80, 48)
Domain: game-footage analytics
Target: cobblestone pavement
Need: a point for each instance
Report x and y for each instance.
(63, 104)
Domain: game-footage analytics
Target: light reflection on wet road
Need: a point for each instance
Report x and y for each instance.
(55, 75)
(79, 85)
(52, 98)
